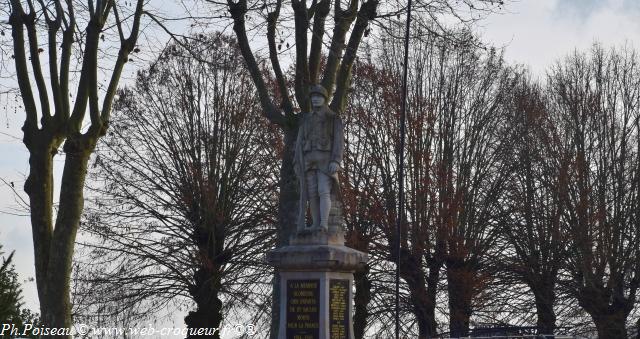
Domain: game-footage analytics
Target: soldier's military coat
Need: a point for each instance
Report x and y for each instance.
(320, 131)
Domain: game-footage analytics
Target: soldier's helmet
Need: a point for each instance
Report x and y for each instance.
(318, 89)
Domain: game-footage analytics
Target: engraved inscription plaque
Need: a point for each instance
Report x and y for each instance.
(303, 309)
(339, 309)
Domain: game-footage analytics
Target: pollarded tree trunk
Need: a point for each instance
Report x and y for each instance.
(362, 297)
(545, 299)
(422, 295)
(609, 311)
(39, 187)
(460, 283)
(205, 292)
(356, 238)
(207, 278)
(54, 252)
(423, 309)
(611, 326)
(432, 290)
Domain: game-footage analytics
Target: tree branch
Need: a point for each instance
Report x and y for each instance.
(237, 11)
(272, 19)
(367, 13)
(83, 92)
(65, 60)
(17, 20)
(321, 11)
(90, 65)
(54, 25)
(302, 66)
(118, 23)
(123, 55)
(34, 52)
(105, 12)
(343, 20)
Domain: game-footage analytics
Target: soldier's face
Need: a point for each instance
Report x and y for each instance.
(317, 100)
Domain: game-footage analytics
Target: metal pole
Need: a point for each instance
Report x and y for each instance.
(403, 118)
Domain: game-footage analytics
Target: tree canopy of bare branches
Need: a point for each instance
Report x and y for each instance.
(454, 173)
(595, 102)
(185, 193)
(531, 227)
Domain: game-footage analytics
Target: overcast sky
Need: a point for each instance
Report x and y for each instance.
(539, 32)
(534, 32)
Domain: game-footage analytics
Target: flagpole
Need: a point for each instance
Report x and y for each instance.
(403, 118)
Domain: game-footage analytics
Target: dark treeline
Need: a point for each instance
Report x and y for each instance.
(522, 194)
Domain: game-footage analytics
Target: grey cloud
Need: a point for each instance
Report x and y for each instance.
(579, 9)
(582, 10)
(632, 7)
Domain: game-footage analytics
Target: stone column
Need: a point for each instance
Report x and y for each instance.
(316, 283)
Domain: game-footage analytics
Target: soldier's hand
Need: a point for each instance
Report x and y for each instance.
(333, 167)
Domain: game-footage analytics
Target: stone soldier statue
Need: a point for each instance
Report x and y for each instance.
(318, 157)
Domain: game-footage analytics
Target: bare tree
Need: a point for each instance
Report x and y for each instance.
(533, 200)
(594, 98)
(470, 177)
(421, 256)
(58, 121)
(454, 176)
(186, 189)
(364, 206)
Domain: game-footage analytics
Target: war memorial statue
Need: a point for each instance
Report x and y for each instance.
(316, 268)
(318, 157)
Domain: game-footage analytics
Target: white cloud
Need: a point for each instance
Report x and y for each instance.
(537, 33)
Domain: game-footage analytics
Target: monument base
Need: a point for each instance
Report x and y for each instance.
(316, 279)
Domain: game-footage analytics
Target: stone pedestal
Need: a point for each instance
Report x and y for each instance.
(316, 280)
